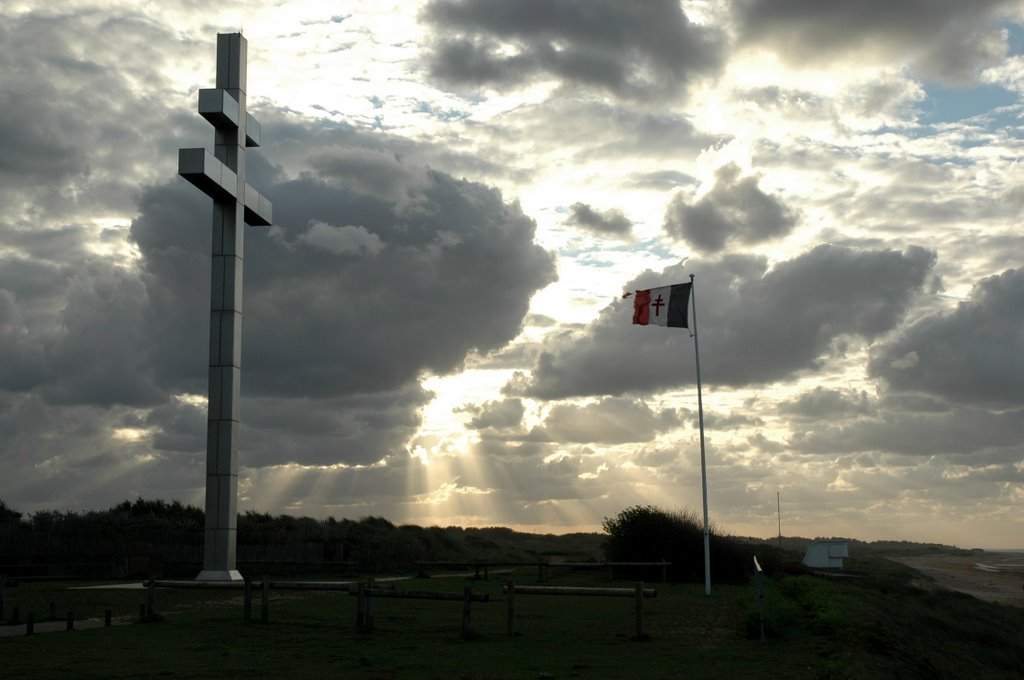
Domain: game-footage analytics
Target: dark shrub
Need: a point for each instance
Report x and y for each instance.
(649, 534)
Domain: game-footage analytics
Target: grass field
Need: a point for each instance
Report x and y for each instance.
(877, 626)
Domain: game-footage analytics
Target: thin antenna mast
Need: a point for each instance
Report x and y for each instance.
(778, 503)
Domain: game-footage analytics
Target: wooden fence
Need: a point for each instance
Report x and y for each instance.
(482, 567)
(365, 592)
(638, 593)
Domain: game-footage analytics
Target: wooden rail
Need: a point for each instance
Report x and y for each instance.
(366, 592)
(544, 568)
(580, 590)
(637, 592)
(610, 567)
(478, 565)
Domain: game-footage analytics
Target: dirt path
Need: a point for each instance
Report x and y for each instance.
(994, 577)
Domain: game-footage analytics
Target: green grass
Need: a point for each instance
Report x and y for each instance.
(880, 626)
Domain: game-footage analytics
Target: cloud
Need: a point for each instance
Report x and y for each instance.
(355, 429)
(960, 430)
(611, 222)
(609, 421)
(629, 50)
(72, 322)
(322, 323)
(370, 171)
(825, 403)
(945, 39)
(506, 414)
(758, 325)
(972, 354)
(340, 322)
(588, 130)
(79, 113)
(344, 240)
(735, 211)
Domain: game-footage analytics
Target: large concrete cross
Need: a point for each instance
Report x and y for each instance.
(221, 176)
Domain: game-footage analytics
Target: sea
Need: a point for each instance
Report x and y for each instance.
(1002, 561)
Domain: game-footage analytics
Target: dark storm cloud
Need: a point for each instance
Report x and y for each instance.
(178, 426)
(80, 112)
(63, 457)
(77, 132)
(97, 357)
(756, 325)
(950, 39)
(71, 322)
(827, 403)
(355, 293)
(735, 211)
(961, 430)
(630, 50)
(610, 421)
(23, 364)
(357, 429)
(972, 354)
(324, 321)
(371, 171)
(612, 222)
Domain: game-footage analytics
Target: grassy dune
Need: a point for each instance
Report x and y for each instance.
(881, 625)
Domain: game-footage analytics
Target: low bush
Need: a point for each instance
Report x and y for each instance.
(650, 534)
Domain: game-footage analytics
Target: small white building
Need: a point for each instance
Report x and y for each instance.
(826, 554)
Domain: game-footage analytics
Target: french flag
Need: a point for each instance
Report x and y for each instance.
(665, 306)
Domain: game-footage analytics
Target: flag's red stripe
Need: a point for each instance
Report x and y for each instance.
(642, 307)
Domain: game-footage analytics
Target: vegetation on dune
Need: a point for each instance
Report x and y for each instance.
(644, 533)
(153, 536)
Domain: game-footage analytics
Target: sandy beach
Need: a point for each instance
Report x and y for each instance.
(990, 576)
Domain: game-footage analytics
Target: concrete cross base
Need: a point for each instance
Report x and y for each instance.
(219, 575)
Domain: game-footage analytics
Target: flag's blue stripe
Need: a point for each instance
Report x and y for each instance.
(679, 305)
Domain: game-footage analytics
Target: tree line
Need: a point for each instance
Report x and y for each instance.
(152, 534)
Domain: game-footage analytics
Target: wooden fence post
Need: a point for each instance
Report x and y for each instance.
(360, 608)
(151, 598)
(106, 618)
(467, 600)
(71, 621)
(247, 601)
(53, 612)
(30, 624)
(368, 612)
(265, 610)
(511, 586)
(16, 616)
(639, 610)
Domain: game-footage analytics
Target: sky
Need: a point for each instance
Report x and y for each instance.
(434, 329)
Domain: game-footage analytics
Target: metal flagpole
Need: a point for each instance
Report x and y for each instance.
(703, 459)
